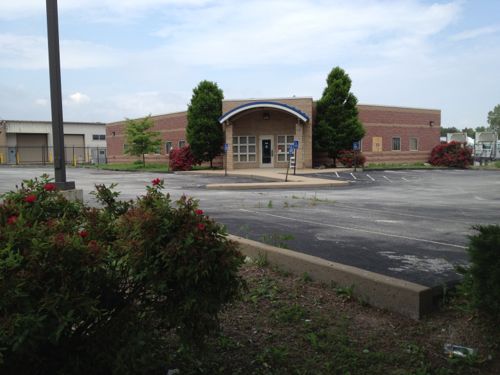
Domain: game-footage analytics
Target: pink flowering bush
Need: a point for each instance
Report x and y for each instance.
(452, 154)
(96, 290)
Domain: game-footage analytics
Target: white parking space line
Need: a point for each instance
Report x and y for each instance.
(387, 178)
(370, 177)
(353, 176)
(337, 174)
(405, 179)
(361, 230)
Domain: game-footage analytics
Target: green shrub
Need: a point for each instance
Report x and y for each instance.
(98, 290)
(482, 278)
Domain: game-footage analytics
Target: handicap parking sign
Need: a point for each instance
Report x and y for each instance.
(356, 146)
(291, 149)
(296, 144)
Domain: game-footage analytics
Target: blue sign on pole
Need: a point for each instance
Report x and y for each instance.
(291, 149)
(356, 146)
(296, 144)
(226, 146)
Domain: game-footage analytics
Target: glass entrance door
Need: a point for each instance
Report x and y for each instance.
(266, 152)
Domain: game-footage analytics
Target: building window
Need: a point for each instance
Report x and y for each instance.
(168, 147)
(284, 142)
(396, 144)
(99, 137)
(182, 143)
(413, 144)
(244, 149)
(114, 134)
(125, 147)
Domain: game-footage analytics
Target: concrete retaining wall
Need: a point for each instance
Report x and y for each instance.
(409, 299)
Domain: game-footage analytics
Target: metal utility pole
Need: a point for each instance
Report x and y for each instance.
(56, 97)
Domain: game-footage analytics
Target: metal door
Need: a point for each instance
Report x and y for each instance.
(12, 155)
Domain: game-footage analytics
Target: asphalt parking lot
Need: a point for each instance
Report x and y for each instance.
(411, 224)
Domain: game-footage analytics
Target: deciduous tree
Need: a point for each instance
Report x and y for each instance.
(494, 118)
(140, 139)
(445, 131)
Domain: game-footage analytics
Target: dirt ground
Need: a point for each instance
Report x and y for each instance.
(290, 325)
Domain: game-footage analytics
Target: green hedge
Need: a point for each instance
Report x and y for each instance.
(482, 278)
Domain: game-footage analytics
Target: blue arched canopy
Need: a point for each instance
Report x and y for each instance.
(274, 105)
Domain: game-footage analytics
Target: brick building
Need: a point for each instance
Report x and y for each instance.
(172, 129)
(259, 133)
(395, 134)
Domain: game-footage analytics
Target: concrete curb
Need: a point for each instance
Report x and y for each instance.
(276, 185)
(406, 298)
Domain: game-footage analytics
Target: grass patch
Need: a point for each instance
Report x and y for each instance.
(205, 168)
(285, 326)
(134, 167)
(277, 239)
(490, 165)
(377, 166)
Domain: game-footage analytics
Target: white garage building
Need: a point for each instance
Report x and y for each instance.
(30, 142)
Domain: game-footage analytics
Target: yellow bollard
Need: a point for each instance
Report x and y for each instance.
(17, 157)
(50, 157)
(1, 158)
(74, 161)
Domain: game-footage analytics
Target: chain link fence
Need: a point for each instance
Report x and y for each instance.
(43, 155)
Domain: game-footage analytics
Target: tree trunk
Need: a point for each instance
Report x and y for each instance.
(143, 161)
(211, 166)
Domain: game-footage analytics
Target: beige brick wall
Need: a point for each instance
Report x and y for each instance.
(252, 123)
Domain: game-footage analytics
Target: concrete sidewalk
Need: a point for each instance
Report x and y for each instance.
(274, 178)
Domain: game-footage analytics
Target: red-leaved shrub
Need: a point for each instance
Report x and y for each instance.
(348, 158)
(452, 154)
(100, 290)
(181, 159)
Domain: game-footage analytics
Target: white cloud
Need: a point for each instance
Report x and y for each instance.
(299, 31)
(41, 102)
(23, 52)
(30, 52)
(101, 10)
(138, 104)
(79, 98)
(475, 33)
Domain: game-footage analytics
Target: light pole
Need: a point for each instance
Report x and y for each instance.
(56, 97)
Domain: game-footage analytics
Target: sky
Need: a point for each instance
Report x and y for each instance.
(129, 58)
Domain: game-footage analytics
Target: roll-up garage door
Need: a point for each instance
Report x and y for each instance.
(32, 148)
(74, 145)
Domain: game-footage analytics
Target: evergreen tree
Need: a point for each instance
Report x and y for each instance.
(204, 132)
(140, 139)
(337, 124)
